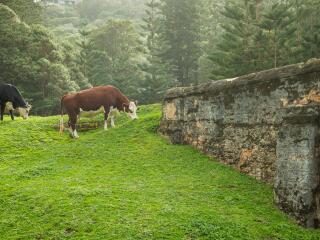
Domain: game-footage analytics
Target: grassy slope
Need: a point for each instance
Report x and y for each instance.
(127, 183)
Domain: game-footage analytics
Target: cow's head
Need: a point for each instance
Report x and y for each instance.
(131, 109)
(24, 111)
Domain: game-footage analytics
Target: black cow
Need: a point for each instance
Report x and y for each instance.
(9, 93)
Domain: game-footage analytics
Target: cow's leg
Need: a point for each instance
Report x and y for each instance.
(105, 125)
(112, 116)
(69, 125)
(3, 106)
(112, 122)
(106, 114)
(72, 125)
(11, 114)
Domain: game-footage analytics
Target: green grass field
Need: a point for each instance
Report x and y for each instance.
(126, 183)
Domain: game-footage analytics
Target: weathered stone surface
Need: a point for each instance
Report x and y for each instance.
(296, 185)
(238, 120)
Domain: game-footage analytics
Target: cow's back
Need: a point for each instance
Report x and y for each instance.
(1, 91)
(7, 92)
(93, 98)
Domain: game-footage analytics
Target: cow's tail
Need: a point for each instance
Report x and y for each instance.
(61, 118)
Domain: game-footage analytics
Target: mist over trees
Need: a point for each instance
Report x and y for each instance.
(145, 47)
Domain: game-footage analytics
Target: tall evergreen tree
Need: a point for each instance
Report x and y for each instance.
(279, 29)
(85, 45)
(235, 52)
(117, 45)
(71, 61)
(180, 30)
(308, 28)
(210, 34)
(257, 35)
(157, 80)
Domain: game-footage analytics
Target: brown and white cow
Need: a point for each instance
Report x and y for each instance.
(98, 99)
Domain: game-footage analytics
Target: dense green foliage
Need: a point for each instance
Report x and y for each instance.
(27, 10)
(65, 21)
(145, 47)
(265, 34)
(157, 78)
(34, 61)
(181, 33)
(103, 9)
(127, 183)
(117, 45)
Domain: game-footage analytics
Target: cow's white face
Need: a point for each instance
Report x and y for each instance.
(133, 110)
(24, 112)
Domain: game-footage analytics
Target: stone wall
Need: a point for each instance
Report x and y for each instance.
(297, 181)
(238, 120)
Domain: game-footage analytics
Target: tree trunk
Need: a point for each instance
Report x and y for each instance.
(258, 9)
(275, 48)
(258, 44)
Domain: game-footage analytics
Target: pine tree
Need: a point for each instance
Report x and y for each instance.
(180, 30)
(308, 23)
(236, 51)
(257, 35)
(72, 55)
(210, 34)
(116, 47)
(279, 29)
(86, 47)
(156, 78)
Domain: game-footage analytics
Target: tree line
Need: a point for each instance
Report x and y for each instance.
(149, 46)
(261, 34)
